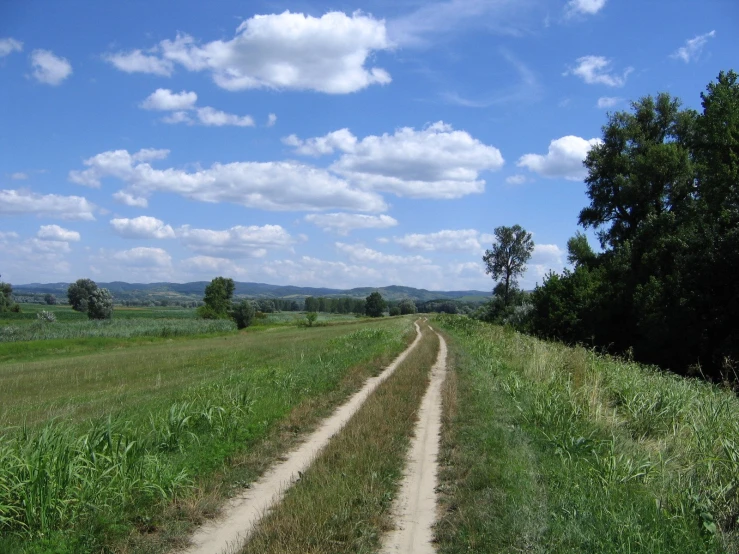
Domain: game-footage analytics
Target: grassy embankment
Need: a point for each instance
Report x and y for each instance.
(342, 503)
(127, 449)
(553, 449)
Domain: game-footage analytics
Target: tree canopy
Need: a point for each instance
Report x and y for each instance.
(78, 294)
(217, 299)
(375, 305)
(506, 261)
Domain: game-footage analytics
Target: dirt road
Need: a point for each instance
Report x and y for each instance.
(415, 507)
(241, 515)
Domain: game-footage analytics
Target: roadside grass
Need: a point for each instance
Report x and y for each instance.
(149, 440)
(342, 503)
(555, 449)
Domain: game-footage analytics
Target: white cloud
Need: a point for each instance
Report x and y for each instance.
(265, 185)
(57, 233)
(693, 48)
(344, 223)
(608, 102)
(19, 176)
(434, 162)
(362, 254)
(6, 236)
(240, 241)
(320, 146)
(278, 51)
(461, 240)
(166, 100)
(138, 62)
(516, 180)
(9, 45)
(211, 265)
(49, 68)
(143, 256)
(545, 258)
(130, 200)
(596, 70)
(564, 159)
(142, 227)
(584, 7)
(21, 202)
(271, 120)
(215, 118)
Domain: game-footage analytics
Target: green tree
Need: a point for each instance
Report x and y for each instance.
(6, 298)
(311, 318)
(100, 304)
(506, 261)
(243, 314)
(394, 310)
(217, 299)
(375, 305)
(407, 306)
(50, 299)
(78, 294)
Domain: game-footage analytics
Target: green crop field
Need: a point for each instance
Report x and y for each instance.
(119, 433)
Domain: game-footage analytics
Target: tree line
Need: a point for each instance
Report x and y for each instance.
(663, 191)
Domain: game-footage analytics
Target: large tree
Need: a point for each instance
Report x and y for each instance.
(217, 299)
(78, 294)
(506, 261)
(6, 298)
(375, 305)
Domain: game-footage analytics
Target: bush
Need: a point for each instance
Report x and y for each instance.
(311, 317)
(395, 310)
(243, 314)
(46, 317)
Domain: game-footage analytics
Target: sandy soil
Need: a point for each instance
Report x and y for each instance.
(416, 505)
(241, 515)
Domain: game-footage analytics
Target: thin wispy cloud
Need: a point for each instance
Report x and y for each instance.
(693, 48)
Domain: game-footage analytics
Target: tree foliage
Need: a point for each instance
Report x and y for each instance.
(375, 305)
(217, 299)
(506, 261)
(407, 306)
(100, 304)
(663, 190)
(7, 304)
(243, 314)
(78, 294)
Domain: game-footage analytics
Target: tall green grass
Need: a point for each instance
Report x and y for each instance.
(616, 457)
(86, 485)
(116, 328)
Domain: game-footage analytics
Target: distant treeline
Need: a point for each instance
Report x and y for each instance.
(664, 200)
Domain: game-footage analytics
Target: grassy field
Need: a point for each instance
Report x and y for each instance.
(126, 448)
(552, 449)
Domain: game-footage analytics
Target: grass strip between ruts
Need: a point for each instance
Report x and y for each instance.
(343, 502)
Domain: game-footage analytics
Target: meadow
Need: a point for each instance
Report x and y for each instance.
(554, 449)
(124, 444)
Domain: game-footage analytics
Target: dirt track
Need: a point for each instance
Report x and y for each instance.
(241, 515)
(415, 507)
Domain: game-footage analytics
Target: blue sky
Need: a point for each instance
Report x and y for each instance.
(320, 144)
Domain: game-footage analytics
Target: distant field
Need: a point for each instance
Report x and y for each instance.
(93, 443)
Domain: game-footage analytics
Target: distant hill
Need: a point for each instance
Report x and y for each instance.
(196, 289)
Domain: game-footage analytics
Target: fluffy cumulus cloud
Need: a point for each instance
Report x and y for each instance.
(9, 45)
(23, 202)
(545, 258)
(130, 200)
(693, 48)
(584, 7)
(57, 233)
(211, 266)
(516, 180)
(344, 223)
(447, 240)
(596, 70)
(49, 68)
(142, 227)
(143, 257)
(138, 62)
(363, 254)
(182, 104)
(605, 102)
(280, 51)
(165, 99)
(434, 162)
(564, 159)
(237, 242)
(266, 185)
